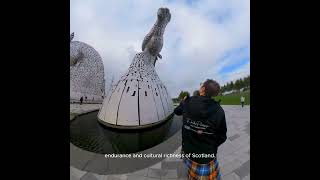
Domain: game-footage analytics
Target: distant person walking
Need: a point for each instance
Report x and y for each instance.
(81, 99)
(204, 130)
(242, 99)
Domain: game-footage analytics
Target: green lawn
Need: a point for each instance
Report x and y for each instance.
(234, 99)
(230, 99)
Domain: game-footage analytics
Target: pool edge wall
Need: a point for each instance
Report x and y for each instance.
(136, 126)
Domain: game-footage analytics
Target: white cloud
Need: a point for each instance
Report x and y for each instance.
(195, 41)
(243, 71)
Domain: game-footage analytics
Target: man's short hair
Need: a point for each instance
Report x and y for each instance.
(212, 88)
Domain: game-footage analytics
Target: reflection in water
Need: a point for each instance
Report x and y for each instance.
(87, 133)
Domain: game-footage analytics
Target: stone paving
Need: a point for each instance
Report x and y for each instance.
(233, 155)
(76, 109)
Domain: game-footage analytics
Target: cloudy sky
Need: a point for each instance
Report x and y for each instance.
(204, 39)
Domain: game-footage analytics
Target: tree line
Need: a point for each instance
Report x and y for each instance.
(237, 84)
(232, 85)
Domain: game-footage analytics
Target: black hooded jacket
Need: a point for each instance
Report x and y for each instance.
(204, 127)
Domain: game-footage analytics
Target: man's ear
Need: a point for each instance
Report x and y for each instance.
(202, 89)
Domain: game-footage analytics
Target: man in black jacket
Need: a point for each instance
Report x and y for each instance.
(204, 130)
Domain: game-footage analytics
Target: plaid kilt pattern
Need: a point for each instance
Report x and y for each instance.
(208, 171)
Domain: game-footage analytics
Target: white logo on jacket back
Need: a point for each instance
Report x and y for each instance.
(196, 126)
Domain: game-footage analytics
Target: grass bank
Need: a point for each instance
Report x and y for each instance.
(234, 99)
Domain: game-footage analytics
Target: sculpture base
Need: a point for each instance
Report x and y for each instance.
(135, 127)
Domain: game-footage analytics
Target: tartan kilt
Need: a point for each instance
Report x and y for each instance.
(209, 171)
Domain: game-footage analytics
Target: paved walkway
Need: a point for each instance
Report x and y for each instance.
(233, 155)
(76, 109)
